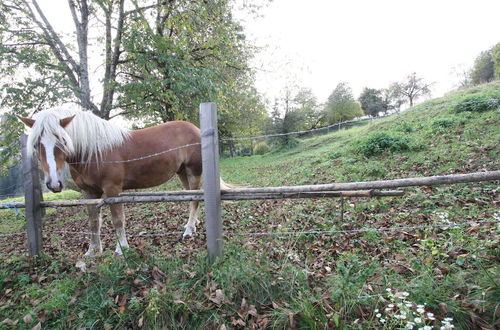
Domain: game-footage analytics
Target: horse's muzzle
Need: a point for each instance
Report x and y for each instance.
(56, 189)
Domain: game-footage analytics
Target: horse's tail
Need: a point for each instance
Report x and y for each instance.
(223, 184)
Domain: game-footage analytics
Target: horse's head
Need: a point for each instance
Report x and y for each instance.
(50, 141)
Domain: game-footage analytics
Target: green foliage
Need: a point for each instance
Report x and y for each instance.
(341, 105)
(296, 110)
(478, 104)
(380, 142)
(261, 148)
(496, 60)
(405, 127)
(372, 102)
(159, 62)
(444, 123)
(483, 69)
(412, 88)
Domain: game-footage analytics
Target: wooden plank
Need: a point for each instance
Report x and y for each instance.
(211, 178)
(32, 199)
(385, 184)
(347, 186)
(197, 197)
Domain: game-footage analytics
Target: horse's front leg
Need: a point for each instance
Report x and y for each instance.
(95, 222)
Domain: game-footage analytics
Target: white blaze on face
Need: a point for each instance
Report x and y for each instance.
(52, 178)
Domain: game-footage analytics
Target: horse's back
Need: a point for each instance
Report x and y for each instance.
(166, 148)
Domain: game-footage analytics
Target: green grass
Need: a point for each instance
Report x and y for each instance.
(303, 281)
(13, 220)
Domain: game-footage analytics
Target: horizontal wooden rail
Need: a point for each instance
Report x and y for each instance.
(385, 184)
(349, 189)
(172, 197)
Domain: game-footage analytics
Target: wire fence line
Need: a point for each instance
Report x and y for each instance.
(443, 226)
(138, 158)
(415, 108)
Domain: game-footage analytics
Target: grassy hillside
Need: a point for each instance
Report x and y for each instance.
(361, 276)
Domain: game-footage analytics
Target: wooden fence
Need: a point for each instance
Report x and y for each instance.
(212, 193)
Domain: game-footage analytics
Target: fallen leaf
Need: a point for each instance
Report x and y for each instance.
(37, 327)
(121, 299)
(219, 297)
(129, 272)
(238, 323)
(140, 322)
(28, 318)
(81, 266)
(180, 302)
(157, 273)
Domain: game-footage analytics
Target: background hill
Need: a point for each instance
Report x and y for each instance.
(440, 259)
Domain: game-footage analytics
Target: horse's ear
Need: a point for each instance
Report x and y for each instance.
(26, 121)
(65, 121)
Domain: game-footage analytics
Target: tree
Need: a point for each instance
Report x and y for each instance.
(463, 75)
(156, 59)
(307, 105)
(193, 51)
(412, 88)
(341, 105)
(372, 102)
(495, 54)
(483, 69)
(394, 97)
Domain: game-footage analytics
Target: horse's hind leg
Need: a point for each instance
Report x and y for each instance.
(95, 222)
(191, 182)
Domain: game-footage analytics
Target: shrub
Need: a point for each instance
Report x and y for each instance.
(477, 104)
(261, 148)
(443, 123)
(406, 127)
(378, 143)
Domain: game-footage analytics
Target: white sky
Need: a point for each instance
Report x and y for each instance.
(369, 43)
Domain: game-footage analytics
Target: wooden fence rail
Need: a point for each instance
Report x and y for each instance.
(180, 196)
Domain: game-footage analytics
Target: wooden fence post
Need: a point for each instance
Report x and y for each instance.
(32, 199)
(211, 178)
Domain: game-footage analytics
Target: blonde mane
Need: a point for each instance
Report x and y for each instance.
(86, 137)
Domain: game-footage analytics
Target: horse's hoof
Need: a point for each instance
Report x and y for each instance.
(119, 250)
(89, 253)
(81, 266)
(188, 232)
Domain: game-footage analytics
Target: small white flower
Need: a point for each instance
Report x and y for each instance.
(430, 316)
(420, 310)
(448, 319)
(382, 320)
(401, 295)
(399, 305)
(388, 289)
(390, 305)
(378, 315)
(408, 305)
(420, 306)
(417, 320)
(376, 311)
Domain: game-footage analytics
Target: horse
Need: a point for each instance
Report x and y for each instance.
(105, 159)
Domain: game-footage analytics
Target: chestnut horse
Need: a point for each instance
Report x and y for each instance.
(105, 159)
